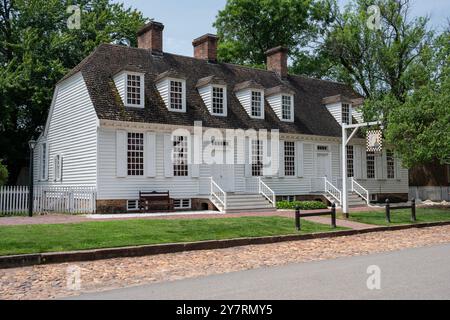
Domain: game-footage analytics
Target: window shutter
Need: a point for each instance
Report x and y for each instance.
(299, 155)
(121, 153)
(61, 163)
(168, 163)
(281, 172)
(379, 166)
(150, 155)
(398, 166)
(47, 161)
(248, 157)
(384, 165)
(363, 163)
(357, 161)
(194, 165)
(267, 159)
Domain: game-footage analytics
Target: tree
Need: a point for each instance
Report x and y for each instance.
(248, 28)
(420, 127)
(3, 174)
(36, 49)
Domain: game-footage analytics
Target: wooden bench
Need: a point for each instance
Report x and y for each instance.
(149, 201)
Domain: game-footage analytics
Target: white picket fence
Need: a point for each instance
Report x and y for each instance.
(73, 200)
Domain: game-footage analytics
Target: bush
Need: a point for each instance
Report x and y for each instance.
(3, 174)
(304, 205)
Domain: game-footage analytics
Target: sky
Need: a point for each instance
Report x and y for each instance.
(185, 20)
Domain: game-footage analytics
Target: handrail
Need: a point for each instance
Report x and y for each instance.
(361, 192)
(268, 193)
(332, 190)
(218, 193)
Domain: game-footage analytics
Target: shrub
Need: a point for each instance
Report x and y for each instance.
(3, 174)
(304, 205)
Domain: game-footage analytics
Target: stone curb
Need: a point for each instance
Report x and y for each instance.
(147, 250)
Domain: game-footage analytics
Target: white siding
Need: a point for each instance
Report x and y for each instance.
(72, 133)
(336, 111)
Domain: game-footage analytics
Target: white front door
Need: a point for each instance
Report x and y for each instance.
(223, 175)
(323, 165)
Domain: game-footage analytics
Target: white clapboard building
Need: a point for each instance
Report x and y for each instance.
(122, 122)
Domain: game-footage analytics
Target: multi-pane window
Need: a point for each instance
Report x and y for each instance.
(44, 161)
(346, 113)
(350, 162)
(134, 89)
(390, 164)
(176, 95)
(370, 164)
(257, 158)
(218, 100)
(288, 198)
(180, 156)
(256, 104)
(182, 203)
(286, 107)
(135, 154)
(289, 158)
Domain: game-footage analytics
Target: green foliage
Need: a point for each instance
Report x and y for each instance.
(248, 28)
(304, 205)
(37, 49)
(3, 174)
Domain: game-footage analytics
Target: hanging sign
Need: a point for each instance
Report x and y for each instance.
(374, 141)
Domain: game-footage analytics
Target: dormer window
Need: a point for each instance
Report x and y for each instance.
(213, 91)
(134, 88)
(346, 113)
(130, 86)
(256, 104)
(281, 99)
(286, 107)
(218, 100)
(176, 95)
(172, 88)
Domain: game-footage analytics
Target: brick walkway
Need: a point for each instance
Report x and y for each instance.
(64, 218)
(50, 281)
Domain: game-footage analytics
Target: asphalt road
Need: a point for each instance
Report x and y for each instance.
(421, 273)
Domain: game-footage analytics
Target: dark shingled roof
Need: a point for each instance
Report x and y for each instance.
(99, 68)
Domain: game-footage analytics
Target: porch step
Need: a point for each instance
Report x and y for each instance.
(244, 203)
(355, 200)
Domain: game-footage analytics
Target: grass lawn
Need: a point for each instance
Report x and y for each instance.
(105, 234)
(402, 216)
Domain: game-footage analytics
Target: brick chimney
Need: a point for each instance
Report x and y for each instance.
(205, 47)
(277, 61)
(151, 37)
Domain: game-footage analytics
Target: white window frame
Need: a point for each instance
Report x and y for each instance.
(368, 153)
(288, 198)
(131, 207)
(58, 167)
(183, 94)
(350, 161)
(390, 164)
(136, 171)
(292, 160)
(349, 113)
(182, 204)
(43, 164)
(142, 90)
(224, 100)
(180, 163)
(291, 107)
(261, 93)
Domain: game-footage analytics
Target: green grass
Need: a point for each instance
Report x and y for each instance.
(107, 234)
(402, 216)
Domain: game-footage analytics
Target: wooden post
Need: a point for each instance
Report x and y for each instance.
(388, 211)
(413, 210)
(297, 218)
(333, 215)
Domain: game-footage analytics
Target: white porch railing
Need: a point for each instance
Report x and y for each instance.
(360, 190)
(218, 194)
(332, 190)
(268, 193)
(73, 200)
